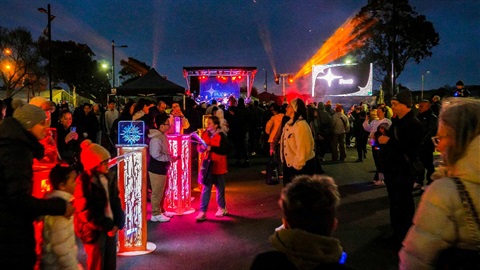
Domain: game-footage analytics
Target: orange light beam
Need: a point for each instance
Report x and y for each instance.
(337, 45)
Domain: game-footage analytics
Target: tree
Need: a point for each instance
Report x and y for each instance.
(20, 61)
(73, 64)
(398, 36)
(132, 69)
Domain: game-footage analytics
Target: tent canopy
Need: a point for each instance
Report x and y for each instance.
(151, 84)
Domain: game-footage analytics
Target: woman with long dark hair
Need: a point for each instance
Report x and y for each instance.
(297, 144)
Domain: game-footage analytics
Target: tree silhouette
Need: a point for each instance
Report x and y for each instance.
(20, 61)
(73, 64)
(399, 35)
(132, 69)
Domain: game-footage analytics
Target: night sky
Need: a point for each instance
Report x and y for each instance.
(171, 34)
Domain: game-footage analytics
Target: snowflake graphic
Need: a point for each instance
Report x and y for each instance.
(131, 134)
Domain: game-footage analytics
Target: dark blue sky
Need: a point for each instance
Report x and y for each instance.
(171, 34)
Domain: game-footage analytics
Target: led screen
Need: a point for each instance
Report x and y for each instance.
(213, 87)
(342, 80)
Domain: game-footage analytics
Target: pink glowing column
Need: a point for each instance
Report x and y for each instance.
(178, 192)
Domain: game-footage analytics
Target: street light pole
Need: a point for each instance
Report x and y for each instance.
(49, 35)
(423, 81)
(113, 61)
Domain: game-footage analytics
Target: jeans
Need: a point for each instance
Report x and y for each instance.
(219, 181)
(102, 254)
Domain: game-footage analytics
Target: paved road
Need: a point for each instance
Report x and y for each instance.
(231, 242)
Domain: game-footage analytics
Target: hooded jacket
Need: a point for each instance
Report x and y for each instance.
(298, 249)
(18, 208)
(441, 203)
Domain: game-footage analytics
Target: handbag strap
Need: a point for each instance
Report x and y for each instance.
(472, 214)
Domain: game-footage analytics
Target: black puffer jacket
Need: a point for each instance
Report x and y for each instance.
(18, 208)
(90, 203)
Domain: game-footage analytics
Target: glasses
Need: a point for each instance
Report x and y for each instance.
(436, 139)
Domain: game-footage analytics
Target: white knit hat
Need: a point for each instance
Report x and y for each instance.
(92, 154)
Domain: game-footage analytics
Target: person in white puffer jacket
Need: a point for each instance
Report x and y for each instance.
(441, 220)
(59, 250)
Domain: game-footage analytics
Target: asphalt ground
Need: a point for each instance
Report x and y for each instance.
(231, 242)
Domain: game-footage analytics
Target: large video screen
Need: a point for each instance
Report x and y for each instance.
(214, 87)
(342, 80)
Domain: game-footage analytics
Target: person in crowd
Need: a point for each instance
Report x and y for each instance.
(162, 107)
(372, 127)
(141, 109)
(68, 139)
(19, 145)
(436, 105)
(59, 250)
(239, 122)
(213, 104)
(125, 115)
(309, 206)
(218, 112)
(297, 145)
(193, 115)
(217, 147)
(461, 90)
(3, 110)
(159, 162)
(401, 159)
(98, 211)
(256, 128)
(274, 130)
(325, 131)
(340, 127)
(99, 114)
(441, 221)
(177, 112)
(111, 114)
(361, 136)
(429, 127)
(87, 123)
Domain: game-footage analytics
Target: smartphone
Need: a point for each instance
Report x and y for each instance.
(73, 129)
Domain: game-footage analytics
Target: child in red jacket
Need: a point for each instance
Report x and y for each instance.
(98, 212)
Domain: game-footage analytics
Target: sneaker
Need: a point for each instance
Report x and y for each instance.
(263, 172)
(279, 228)
(221, 212)
(201, 216)
(168, 214)
(379, 183)
(159, 218)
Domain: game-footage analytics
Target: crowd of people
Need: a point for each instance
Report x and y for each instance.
(296, 135)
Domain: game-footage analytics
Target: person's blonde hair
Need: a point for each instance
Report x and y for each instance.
(462, 117)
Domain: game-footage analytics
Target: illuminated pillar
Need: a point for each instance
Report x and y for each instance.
(132, 184)
(178, 192)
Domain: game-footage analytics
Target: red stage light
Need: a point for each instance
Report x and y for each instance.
(234, 78)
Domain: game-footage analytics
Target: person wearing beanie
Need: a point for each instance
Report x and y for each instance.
(98, 211)
(19, 144)
(461, 91)
(401, 159)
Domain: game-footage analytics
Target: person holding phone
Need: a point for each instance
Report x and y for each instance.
(68, 140)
